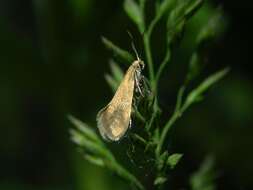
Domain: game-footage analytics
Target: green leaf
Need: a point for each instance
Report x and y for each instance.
(205, 85)
(179, 99)
(160, 180)
(94, 160)
(112, 82)
(156, 135)
(176, 21)
(84, 128)
(194, 67)
(173, 160)
(121, 171)
(165, 6)
(134, 12)
(116, 77)
(192, 8)
(203, 178)
(118, 52)
(138, 138)
(90, 146)
(162, 159)
(117, 72)
(213, 28)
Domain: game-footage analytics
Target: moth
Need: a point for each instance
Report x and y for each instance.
(114, 119)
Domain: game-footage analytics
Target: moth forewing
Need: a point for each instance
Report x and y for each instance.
(114, 119)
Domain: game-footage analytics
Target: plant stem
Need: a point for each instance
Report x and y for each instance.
(128, 176)
(167, 126)
(163, 64)
(147, 39)
(139, 116)
(176, 115)
(149, 60)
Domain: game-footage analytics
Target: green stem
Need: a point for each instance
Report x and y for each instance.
(147, 39)
(163, 64)
(156, 110)
(149, 60)
(142, 5)
(139, 116)
(128, 176)
(167, 126)
(176, 115)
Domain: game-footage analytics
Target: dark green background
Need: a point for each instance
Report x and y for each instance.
(52, 63)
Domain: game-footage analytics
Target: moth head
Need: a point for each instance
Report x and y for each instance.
(139, 64)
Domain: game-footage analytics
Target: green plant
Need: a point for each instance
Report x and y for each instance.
(203, 178)
(152, 134)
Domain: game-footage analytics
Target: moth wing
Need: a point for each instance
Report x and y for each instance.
(113, 122)
(114, 119)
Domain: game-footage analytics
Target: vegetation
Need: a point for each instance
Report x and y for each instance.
(148, 138)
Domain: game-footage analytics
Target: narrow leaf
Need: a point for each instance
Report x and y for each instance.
(117, 72)
(94, 160)
(119, 52)
(121, 171)
(165, 6)
(192, 8)
(162, 160)
(84, 128)
(160, 180)
(206, 84)
(213, 28)
(90, 146)
(112, 82)
(173, 160)
(134, 12)
(183, 11)
(203, 178)
(194, 67)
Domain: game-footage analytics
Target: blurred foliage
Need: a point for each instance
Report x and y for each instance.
(153, 137)
(52, 62)
(203, 179)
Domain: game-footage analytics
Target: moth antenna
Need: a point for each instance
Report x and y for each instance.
(133, 45)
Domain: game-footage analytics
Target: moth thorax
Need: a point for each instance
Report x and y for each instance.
(138, 64)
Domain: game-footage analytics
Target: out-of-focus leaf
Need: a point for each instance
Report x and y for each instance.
(194, 67)
(173, 160)
(213, 28)
(81, 9)
(210, 30)
(192, 8)
(175, 22)
(156, 136)
(116, 77)
(96, 152)
(90, 146)
(134, 12)
(160, 180)
(164, 6)
(84, 128)
(118, 52)
(197, 93)
(203, 178)
(162, 160)
(112, 82)
(117, 72)
(178, 17)
(94, 160)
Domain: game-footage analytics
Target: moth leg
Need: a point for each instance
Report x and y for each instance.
(137, 79)
(130, 124)
(146, 85)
